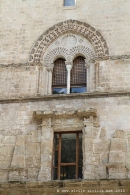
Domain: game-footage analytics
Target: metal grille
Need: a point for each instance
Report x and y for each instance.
(78, 72)
(59, 77)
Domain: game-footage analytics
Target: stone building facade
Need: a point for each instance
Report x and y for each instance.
(34, 34)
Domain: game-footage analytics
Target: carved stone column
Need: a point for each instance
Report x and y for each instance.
(68, 67)
(88, 168)
(87, 65)
(97, 76)
(49, 82)
(46, 150)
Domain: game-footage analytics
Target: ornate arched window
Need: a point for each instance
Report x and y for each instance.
(59, 77)
(61, 73)
(78, 76)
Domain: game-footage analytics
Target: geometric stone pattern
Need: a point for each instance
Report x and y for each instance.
(68, 54)
(73, 26)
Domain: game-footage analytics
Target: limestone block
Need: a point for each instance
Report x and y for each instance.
(46, 160)
(128, 171)
(88, 174)
(100, 172)
(87, 144)
(128, 145)
(20, 140)
(19, 150)
(19, 175)
(3, 176)
(95, 132)
(88, 132)
(104, 157)
(103, 133)
(33, 149)
(44, 174)
(18, 161)
(34, 136)
(117, 145)
(46, 122)
(96, 159)
(46, 146)
(5, 162)
(128, 158)
(33, 161)
(117, 172)
(116, 157)
(119, 134)
(87, 157)
(33, 174)
(6, 150)
(47, 134)
(102, 146)
(9, 140)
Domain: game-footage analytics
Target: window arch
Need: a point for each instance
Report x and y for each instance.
(78, 76)
(59, 77)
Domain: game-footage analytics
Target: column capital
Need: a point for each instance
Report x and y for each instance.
(68, 67)
(87, 63)
(69, 63)
(50, 67)
(96, 63)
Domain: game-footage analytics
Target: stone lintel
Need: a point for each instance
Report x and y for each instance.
(72, 113)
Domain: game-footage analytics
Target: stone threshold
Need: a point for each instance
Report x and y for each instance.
(64, 97)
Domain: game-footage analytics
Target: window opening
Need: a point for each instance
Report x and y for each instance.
(69, 2)
(59, 77)
(78, 76)
(67, 156)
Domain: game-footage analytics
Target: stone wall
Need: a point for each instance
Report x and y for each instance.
(31, 80)
(25, 155)
(27, 20)
(67, 187)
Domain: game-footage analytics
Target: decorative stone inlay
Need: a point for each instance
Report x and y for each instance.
(118, 57)
(73, 26)
(69, 40)
(54, 54)
(68, 54)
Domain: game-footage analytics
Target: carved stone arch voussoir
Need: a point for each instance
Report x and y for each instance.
(59, 52)
(74, 26)
(82, 51)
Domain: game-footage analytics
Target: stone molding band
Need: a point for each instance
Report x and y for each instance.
(64, 96)
(103, 58)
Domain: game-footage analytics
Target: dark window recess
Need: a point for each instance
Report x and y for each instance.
(69, 2)
(67, 156)
(78, 76)
(59, 77)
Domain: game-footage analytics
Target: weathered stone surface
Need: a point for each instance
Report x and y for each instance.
(3, 176)
(119, 134)
(18, 175)
(127, 158)
(18, 161)
(103, 133)
(117, 145)
(102, 146)
(117, 172)
(116, 158)
(33, 149)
